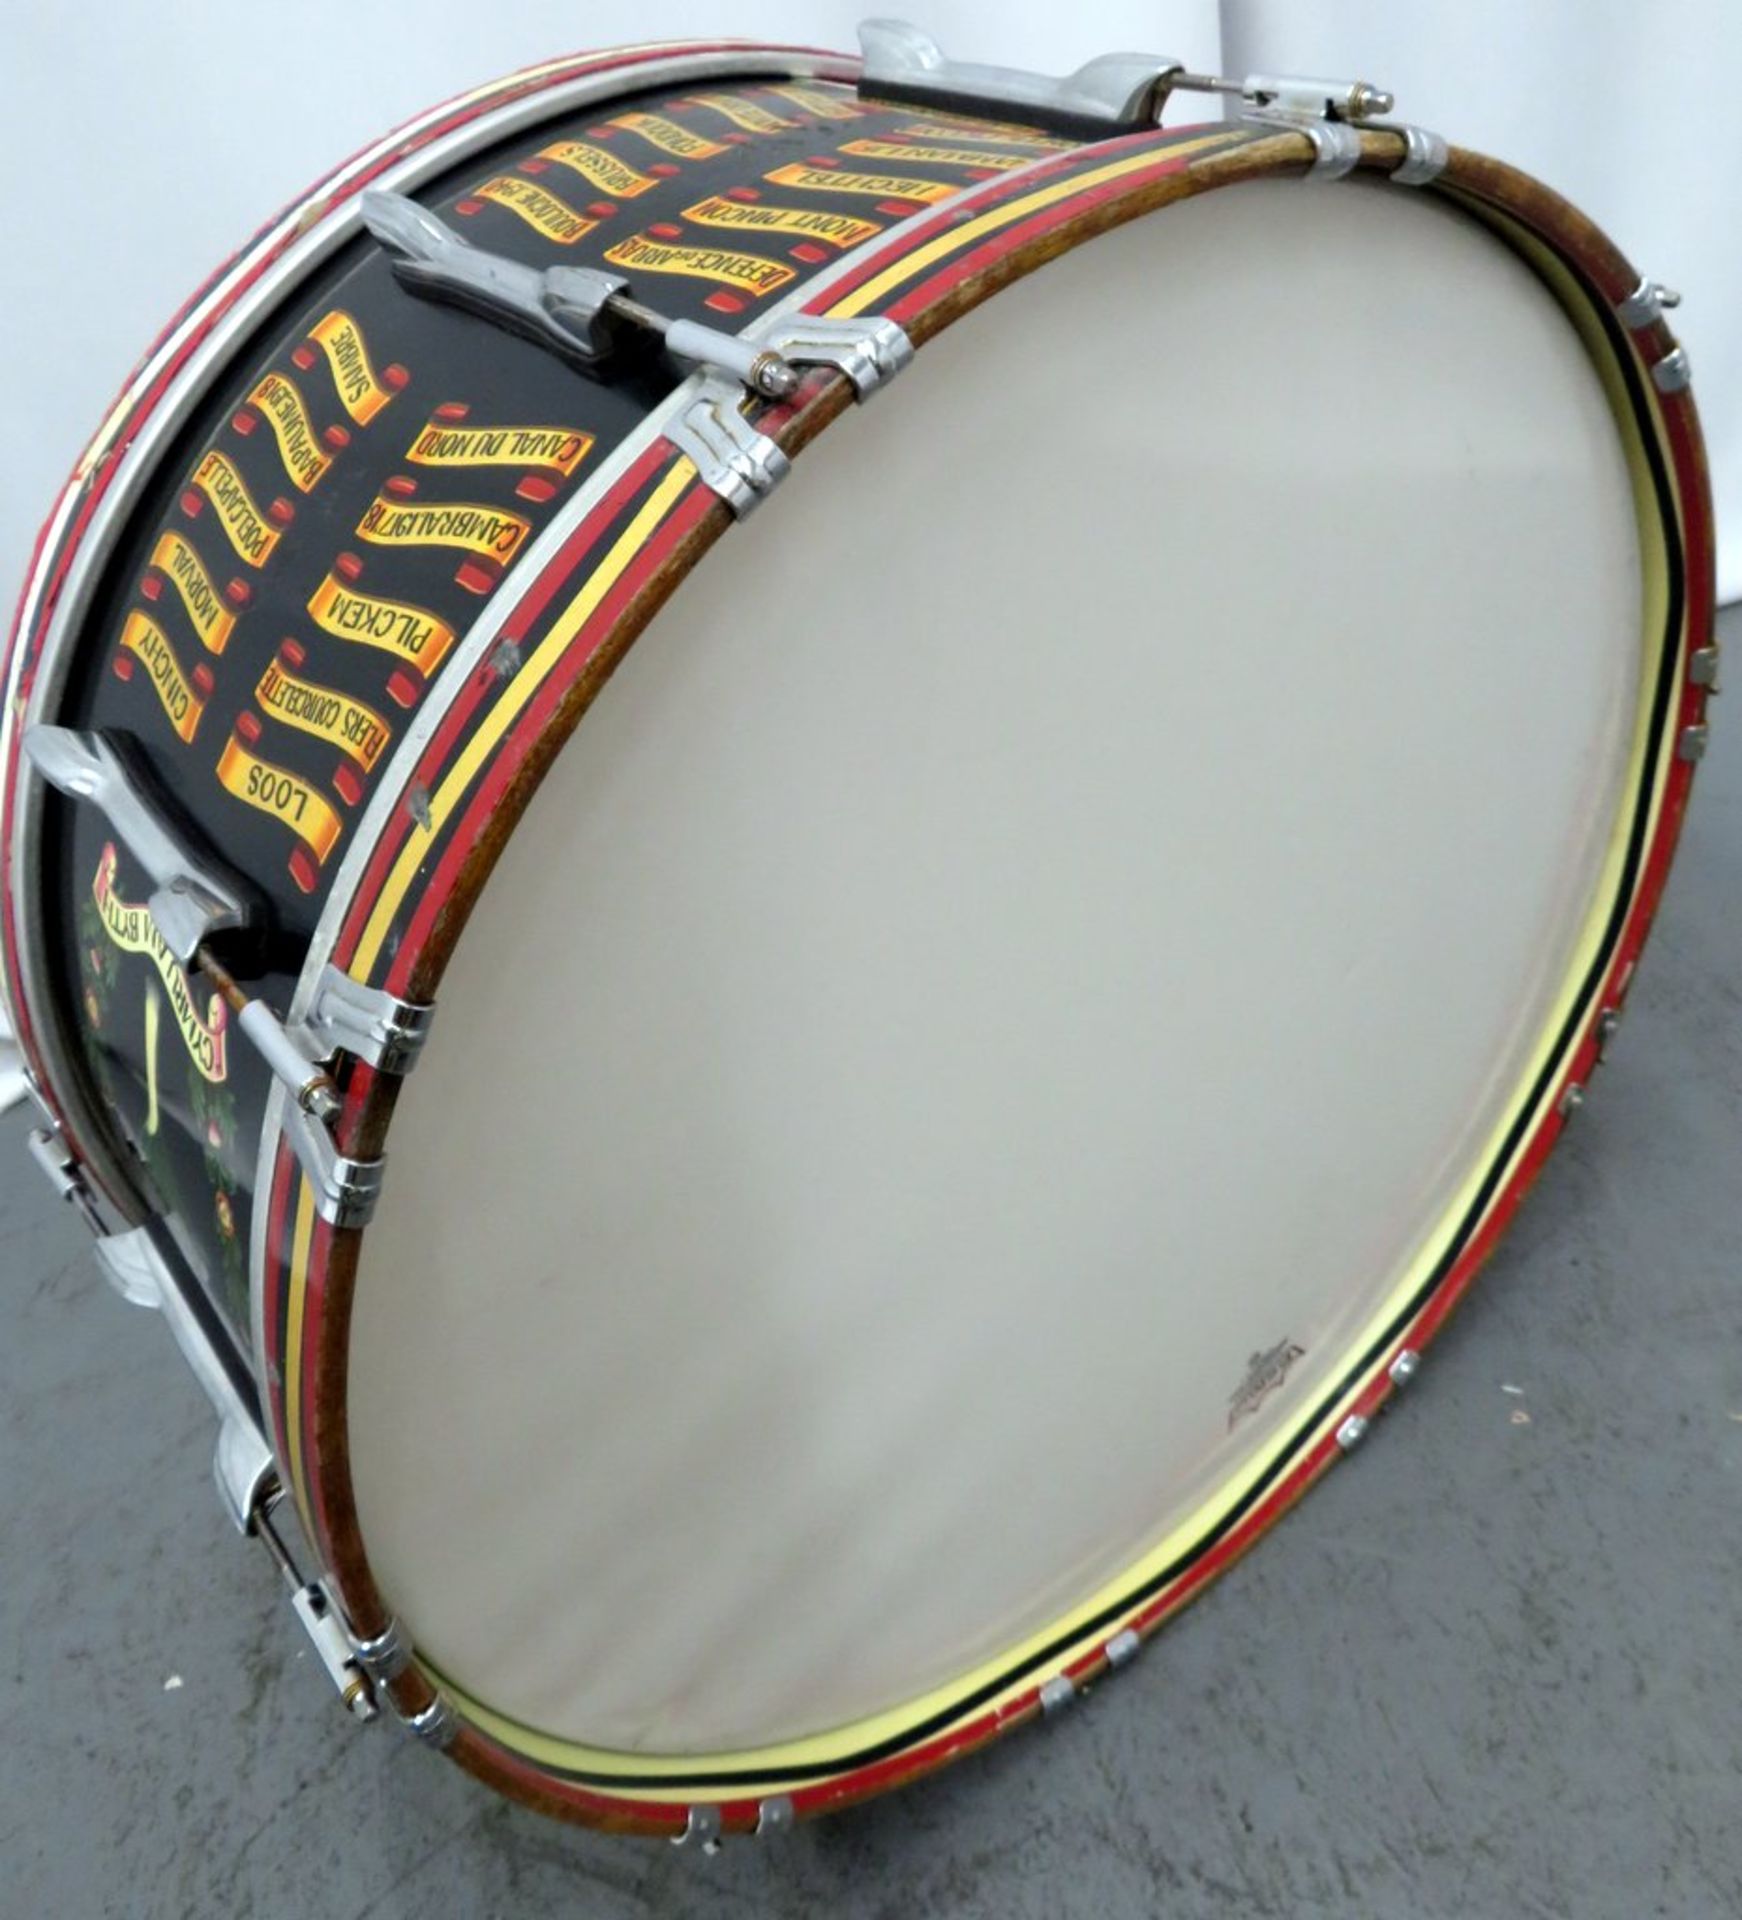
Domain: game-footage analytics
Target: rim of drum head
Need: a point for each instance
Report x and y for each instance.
(649, 530)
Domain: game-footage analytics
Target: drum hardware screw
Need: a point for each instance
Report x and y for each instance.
(1057, 1694)
(1321, 99)
(1571, 1101)
(314, 1608)
(1366, 101)
(1692, 744)
(310, 1083)
(772, 375)
(1183, 82)
(577, 312)
(39, 1099)
(48, 1148)
(1353, 1431)
(1703, 668)
(1644, 306)
(1123, 1648)
(417, 805)
(775, 1815)
(505, 659)
(703, 1826)
(1673, 373)
(1305, 99)
(1405, 1367)
(1425, 156)
(766, 372)
(385, 1655)
(434, 1725)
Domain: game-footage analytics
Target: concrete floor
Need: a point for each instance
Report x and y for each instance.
(1489, 1669)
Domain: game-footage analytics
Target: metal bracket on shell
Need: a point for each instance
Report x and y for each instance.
(735, 459)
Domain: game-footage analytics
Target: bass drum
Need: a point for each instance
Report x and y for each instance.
(959, 1065)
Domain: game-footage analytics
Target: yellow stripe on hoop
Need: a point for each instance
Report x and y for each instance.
(507, 709)
(912, 264)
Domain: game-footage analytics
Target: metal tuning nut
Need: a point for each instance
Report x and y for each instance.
(1674, 372)
(1299, 97)
(1353, 1431)
(1114, 93)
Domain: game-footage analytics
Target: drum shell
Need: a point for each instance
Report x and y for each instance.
(302, 1268)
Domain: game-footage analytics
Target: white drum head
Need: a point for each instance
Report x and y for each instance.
(1061, 903)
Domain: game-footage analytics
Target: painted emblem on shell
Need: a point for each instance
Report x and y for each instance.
(1265, 1372)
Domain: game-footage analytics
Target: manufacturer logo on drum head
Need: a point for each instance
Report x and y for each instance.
(1265, 1372)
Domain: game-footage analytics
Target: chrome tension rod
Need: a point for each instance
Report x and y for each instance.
(575, 311)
